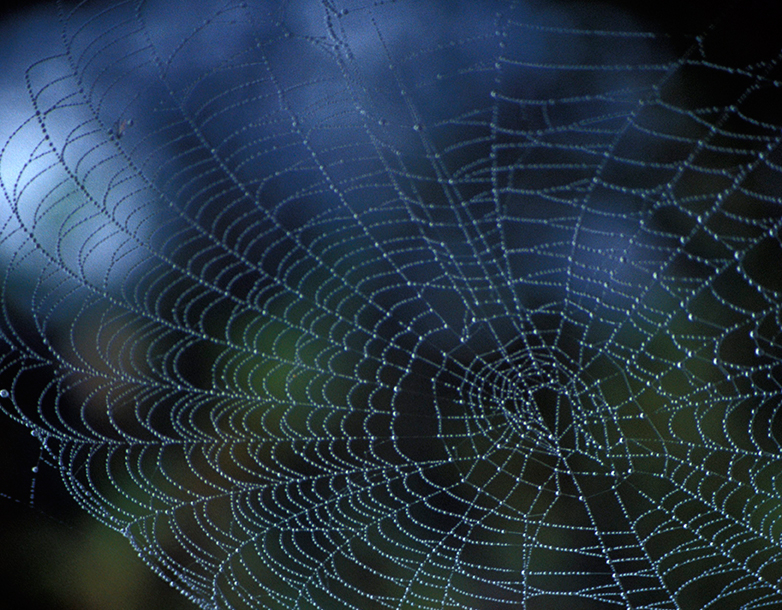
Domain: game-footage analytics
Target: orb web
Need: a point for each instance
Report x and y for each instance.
(390, 305)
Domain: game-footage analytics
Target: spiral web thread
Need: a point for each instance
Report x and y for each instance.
(402, 305)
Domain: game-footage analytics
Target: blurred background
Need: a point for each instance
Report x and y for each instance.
(53, 554)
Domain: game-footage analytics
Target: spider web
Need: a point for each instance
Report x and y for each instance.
(407, 305)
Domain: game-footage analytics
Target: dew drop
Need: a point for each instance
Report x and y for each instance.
(4, 394)
(35, 469)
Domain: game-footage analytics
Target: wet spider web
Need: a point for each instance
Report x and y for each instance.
(391, 305)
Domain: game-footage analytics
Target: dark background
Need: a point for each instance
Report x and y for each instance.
(54, 556)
